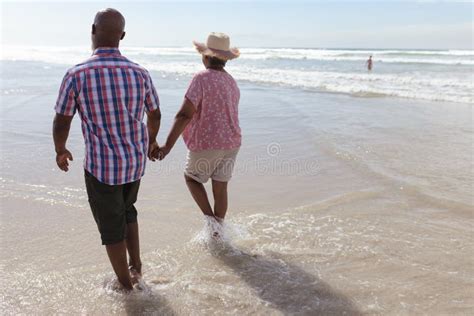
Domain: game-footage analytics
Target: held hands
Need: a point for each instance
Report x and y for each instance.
(62, 158)
(153, 150)
(163, 152)
(156, 152)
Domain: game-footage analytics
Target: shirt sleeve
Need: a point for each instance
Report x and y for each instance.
(194, 93)
(66, 103)
(152, 102)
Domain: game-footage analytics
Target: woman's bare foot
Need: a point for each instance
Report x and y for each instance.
(216, 235)
(217, 228)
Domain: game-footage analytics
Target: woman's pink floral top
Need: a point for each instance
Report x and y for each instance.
(215, 125)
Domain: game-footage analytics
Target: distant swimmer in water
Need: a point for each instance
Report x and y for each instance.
(369, 63)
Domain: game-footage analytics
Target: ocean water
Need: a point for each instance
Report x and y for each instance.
(418, 74)
(352, 194)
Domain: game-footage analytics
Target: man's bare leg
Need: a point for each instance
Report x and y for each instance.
(118, 258)
(200, 195)
(219, 190)
(133, 247)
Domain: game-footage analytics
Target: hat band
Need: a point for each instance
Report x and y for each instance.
(224, 49)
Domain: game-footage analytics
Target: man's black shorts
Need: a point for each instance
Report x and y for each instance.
(112, 207)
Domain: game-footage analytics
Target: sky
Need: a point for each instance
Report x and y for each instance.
(308, 24)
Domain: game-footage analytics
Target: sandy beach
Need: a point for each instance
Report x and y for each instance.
(341, 203)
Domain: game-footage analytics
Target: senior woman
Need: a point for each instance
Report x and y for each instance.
(209, 122)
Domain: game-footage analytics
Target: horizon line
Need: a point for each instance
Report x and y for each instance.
(262, 47)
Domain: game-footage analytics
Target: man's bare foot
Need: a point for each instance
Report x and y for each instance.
(118, 287)
(135, 266)
(135, 276)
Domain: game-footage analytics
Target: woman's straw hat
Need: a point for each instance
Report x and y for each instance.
(217, 45)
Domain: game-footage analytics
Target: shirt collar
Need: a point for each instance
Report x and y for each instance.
(106, 51)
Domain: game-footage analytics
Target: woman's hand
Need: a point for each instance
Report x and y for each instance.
(163, 152)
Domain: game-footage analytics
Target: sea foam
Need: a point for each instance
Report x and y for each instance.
(435, 75)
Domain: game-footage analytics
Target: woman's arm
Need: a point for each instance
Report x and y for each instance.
(181, 120)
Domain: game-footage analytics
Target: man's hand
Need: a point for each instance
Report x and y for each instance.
(164, 151)
(62, 158)
(61, 126)
(153, 126)
(153, 150)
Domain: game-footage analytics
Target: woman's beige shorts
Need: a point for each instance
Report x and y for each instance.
(216, 164)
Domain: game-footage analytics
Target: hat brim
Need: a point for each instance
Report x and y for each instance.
(232, 53)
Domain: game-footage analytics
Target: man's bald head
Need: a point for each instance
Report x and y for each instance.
(108, 28)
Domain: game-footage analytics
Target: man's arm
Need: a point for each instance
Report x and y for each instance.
(181, 120)
(153, 126)
(61, 127)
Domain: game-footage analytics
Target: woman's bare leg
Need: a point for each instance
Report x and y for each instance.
(200, 195)
(219, 190)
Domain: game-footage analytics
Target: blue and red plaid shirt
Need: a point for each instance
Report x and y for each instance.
(111, 94)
